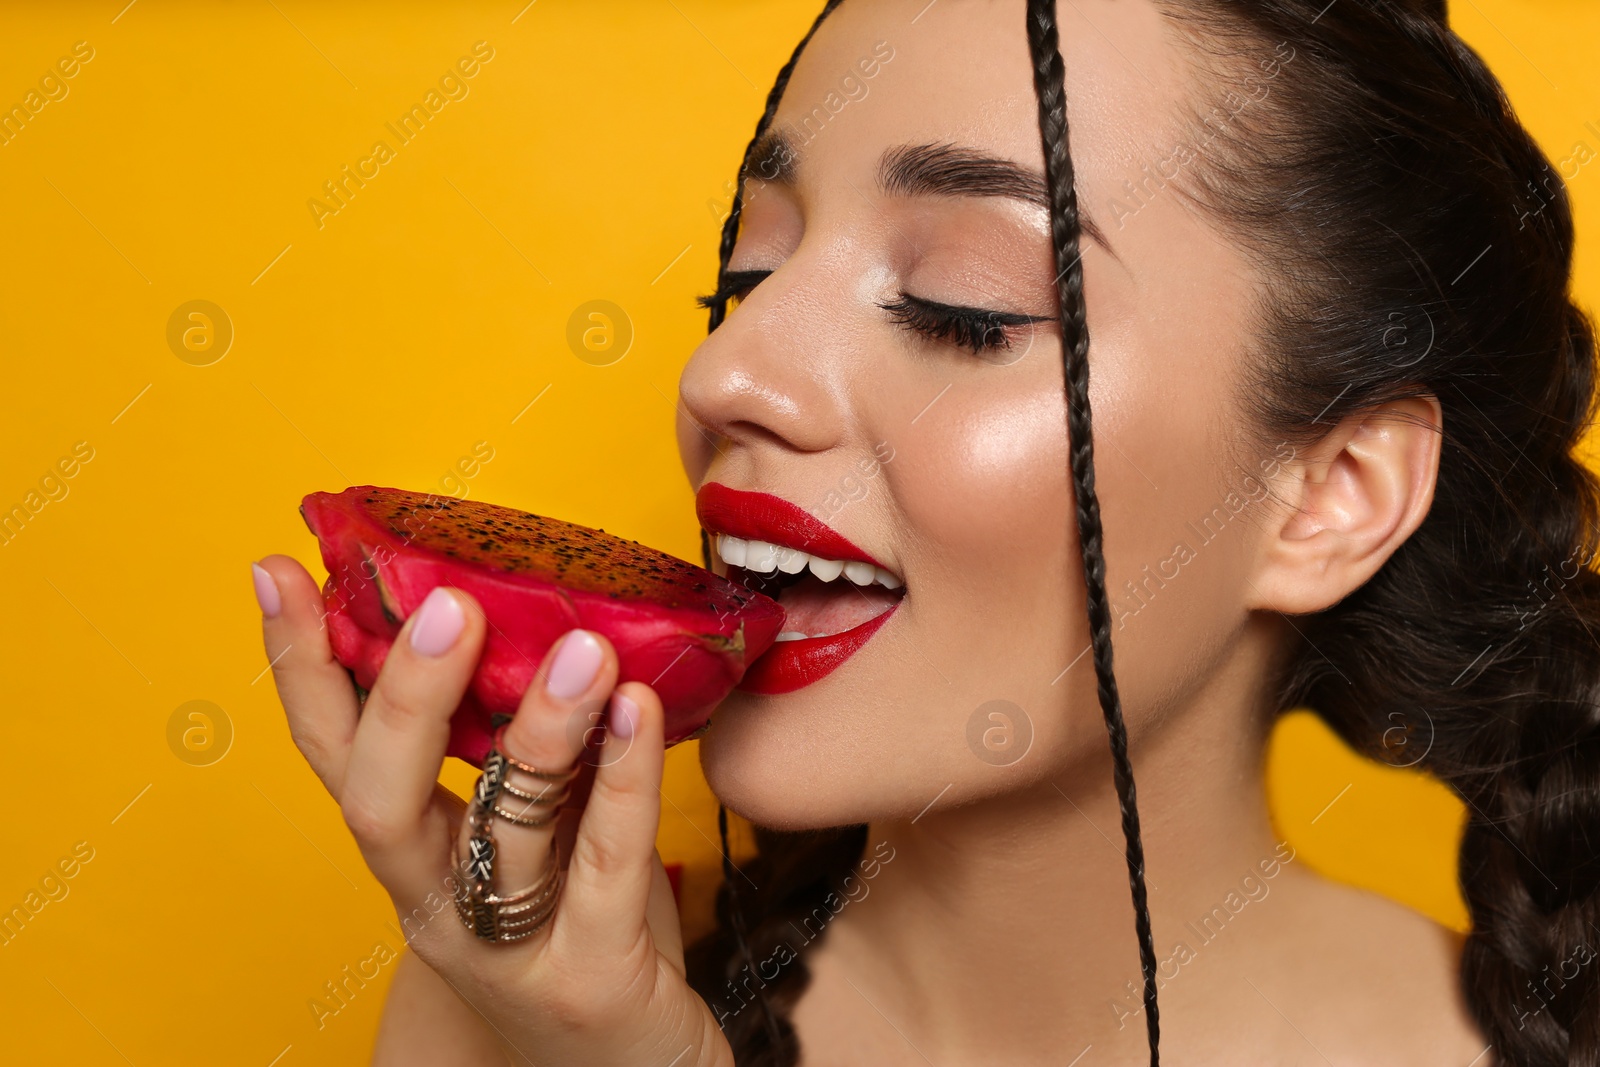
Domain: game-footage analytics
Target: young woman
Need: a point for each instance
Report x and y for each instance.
(1319, 273)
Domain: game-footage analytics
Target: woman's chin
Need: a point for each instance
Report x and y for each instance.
(762, 773)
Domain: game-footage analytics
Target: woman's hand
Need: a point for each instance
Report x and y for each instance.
(603, 981)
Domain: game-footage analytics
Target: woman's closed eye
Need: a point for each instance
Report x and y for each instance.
(973, 328)
(736, 285)
(978, 329)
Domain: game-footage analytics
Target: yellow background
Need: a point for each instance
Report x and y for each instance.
(590, 160)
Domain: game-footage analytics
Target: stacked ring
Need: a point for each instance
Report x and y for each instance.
(557, 787)
(513, 916)
(517, 915)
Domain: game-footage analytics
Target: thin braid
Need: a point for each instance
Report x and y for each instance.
(718, 311)
(730, 225)
(736, 918)
(1049, 78)
(730, 883)
(1049, 83)
(736, 912)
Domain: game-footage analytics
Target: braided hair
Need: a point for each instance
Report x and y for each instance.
(1418, 244)
(1048, 83)
(775, 1043)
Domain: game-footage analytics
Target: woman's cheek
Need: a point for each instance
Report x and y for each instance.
(984, 497)
(993, 482)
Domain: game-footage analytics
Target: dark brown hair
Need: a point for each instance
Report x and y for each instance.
(1414, 242)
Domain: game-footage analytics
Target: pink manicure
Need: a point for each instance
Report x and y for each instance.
(574, 666)
(439, 621)
(266, 591)
(624, 720)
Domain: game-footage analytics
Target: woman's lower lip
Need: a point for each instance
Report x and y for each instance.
(791, 665)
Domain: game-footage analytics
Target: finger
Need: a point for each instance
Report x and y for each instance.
(661, 915)
(402, 737)
(315, 689)
(613, 859)
(561, 707)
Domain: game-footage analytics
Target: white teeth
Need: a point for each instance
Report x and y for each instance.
(790, 635)
(860, 573)
(761, 557)
(732, 550)
(826, 569)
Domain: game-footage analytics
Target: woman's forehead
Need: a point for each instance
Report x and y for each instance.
(885, 73)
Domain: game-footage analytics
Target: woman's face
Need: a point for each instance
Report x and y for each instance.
(909, 176)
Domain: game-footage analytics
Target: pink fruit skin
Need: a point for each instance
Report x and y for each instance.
(691, 647)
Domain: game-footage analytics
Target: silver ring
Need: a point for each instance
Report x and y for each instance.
(490, 915)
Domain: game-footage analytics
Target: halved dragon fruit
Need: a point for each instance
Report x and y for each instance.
(683, 630)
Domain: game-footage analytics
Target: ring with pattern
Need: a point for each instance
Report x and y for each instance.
(513, 916)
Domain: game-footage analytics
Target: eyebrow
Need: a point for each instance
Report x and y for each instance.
(929, 170)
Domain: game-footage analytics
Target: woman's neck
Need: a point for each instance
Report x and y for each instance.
(1010, 920)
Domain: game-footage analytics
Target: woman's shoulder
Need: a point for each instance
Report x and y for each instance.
(1380, 978)
(1325, 973)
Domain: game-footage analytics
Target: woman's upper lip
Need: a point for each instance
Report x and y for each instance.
(764, 517)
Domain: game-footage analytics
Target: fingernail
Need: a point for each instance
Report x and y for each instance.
(438, 623)
(266, 591)
(574, 666)
(624, 720)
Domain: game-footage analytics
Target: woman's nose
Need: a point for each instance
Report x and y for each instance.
(776, 372)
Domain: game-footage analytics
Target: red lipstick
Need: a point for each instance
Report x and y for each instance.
(789, 665)
(764, 517)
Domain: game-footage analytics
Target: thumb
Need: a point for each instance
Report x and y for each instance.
(609, 878)
(662, 916)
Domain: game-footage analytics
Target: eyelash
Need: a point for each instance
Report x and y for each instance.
(978, 329)
(735, 286)
(973, 328)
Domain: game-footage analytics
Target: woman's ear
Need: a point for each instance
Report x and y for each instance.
(1350, 502)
